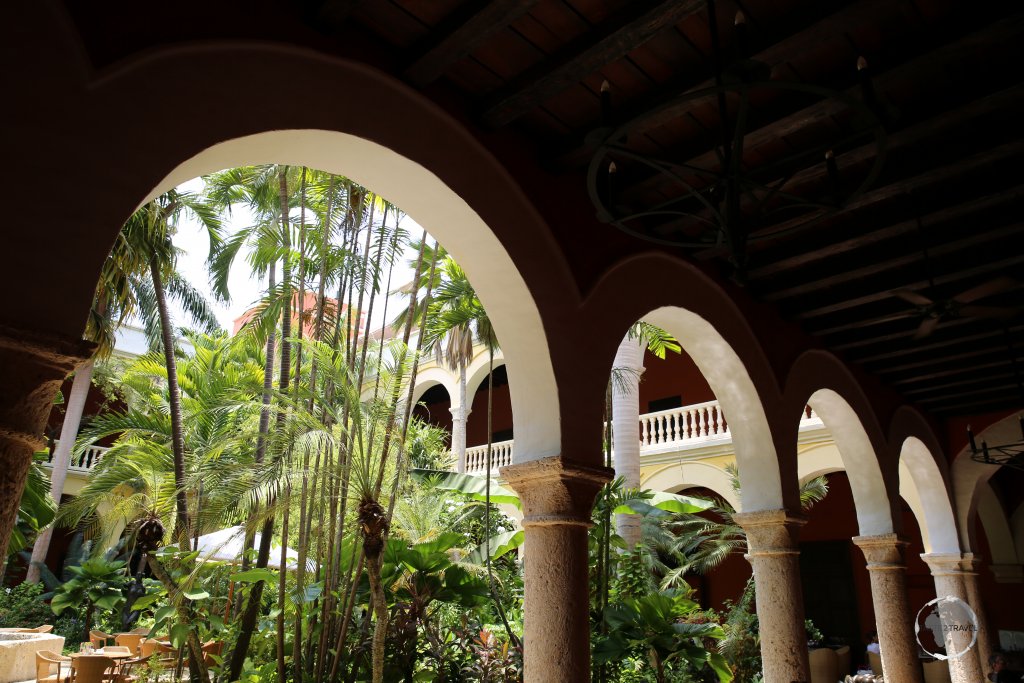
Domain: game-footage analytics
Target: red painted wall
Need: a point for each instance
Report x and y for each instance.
(677, 374)
(476, 426)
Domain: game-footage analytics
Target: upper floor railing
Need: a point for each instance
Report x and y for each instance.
(680, 428)
(83, 462)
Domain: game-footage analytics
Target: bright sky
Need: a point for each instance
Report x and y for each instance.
(245, 291)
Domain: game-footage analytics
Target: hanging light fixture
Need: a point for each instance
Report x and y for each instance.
(725, 198)
(1006, 455)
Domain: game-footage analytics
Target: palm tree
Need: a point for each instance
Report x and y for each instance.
(454, 315)
(449, 332)
(135, 281)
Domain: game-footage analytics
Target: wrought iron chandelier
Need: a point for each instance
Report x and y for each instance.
(727, 198)
(1008, 454)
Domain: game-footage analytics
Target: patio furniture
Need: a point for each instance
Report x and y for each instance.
(875, 660)
(843, 653)
(936, 671)
(128, 666)
(141, 630)
(824, 665)
(45, 661)
(99, 639)
(130, 640)
(92, 669)
(148, 647)
(214, 648)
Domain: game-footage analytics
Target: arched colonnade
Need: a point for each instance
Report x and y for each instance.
(559, 329)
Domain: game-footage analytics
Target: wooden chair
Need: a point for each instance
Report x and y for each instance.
(129, 640)
(45, 661)
(824, 665)
(92, 669)
(125, 673)
(875, 660)
(936, 671)
(843, 654)
(99, 639)
(148, 648)
(214, 648)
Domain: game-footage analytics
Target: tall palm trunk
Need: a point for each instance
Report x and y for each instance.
(251, 614)
(181, 524)
(61, 460)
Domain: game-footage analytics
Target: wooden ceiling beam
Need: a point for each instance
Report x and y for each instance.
(648, 113)
(335, 12)
(607, 43)
(787, 230)
(940, 360)
(988, 390)
(872, 237)
(919, 348)
(902, 334)
(948, 372)
(1010, 29)
(967, 381)
(1001, 266)
(872, 269)
(466, 37)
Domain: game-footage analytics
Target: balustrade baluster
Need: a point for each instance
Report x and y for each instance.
(718, 419)
(704, 421)
(674, 419)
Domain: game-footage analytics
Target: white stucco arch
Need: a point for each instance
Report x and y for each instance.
(1001, 543)
(431, 377)
(924, 489)
(446, 216)
(970, 479)
(476, 373)
(756, 457)
(689, 474)
(874, 513)
(818, 461)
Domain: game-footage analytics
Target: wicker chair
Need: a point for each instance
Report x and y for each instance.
(45, 661)
(875, 660)
(100, 639)
(92, 669)
(125, 672)
(824, 665)
(129, 640)
(148, 648)
(142, 631)
(843, 654)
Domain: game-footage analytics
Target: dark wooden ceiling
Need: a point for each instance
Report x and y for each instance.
(943, 215)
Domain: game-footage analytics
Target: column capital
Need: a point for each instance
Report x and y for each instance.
(945, 564)
(882, 552)
(33, 361)
(555, 491)
(770, 532)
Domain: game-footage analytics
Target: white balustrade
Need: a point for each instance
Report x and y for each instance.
(84, 461)
(476, 457)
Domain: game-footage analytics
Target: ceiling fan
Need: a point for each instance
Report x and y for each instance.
(932, 312)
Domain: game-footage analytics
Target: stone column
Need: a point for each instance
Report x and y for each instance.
(947, 570)
(985, 645)
(32, 367)
(774, 554)
(628, 366)
(557, 498)
(459, 417)
(893, 618)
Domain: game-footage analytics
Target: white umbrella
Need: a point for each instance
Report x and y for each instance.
(226, 545)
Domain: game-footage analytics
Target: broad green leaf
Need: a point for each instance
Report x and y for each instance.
(667, 502)
(498, 545)
(146, 600)
(467, 484)
(195, 594)
(163, 613)
(179, 635)
(254, 575)
(720, 666)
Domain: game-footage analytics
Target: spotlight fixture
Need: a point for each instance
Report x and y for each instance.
(1007, 455)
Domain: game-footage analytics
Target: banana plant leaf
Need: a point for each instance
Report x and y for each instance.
(664, 502)
(470, 485)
